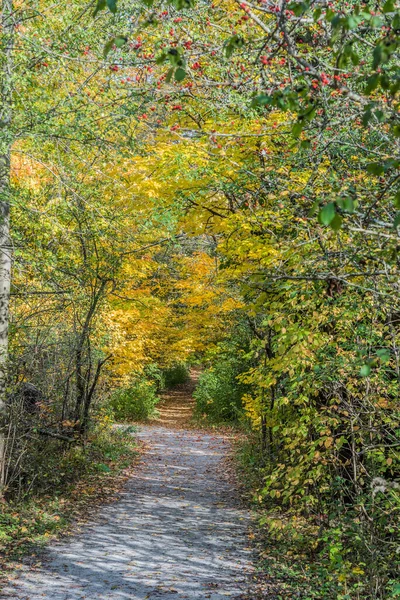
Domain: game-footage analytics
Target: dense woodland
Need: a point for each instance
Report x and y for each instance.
(189, 182)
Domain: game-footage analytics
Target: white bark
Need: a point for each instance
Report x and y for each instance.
(6, 82)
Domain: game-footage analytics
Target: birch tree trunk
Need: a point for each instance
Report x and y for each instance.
(6, 83)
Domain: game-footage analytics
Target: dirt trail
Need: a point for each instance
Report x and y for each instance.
(177, 405)
(176, 533)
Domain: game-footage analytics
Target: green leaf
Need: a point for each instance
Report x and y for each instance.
(380, 55)
(169, 75)
(232, 43)
(174, 56)
(101, 4)
(120, 41)
(180, 4)
(365, 370)
(372, 83)
(348, 205)
(180, 74)
(389, 6)
(112, 6)
(299, 8)
(351, 22)
(336, 222)
(261, 100)
(229, 51)
(161, 59)
(396, 86)
(317, 14)
(377, 56)
(329, 15)
(327, 214)
(383, 354)
(385, 81)
(376, 22)
(367, 116)
(391, 163)
(297, 128)
(314, 208)
(375, 168)
(396, 590)
(396, 221)
(108, 47)
(336, 22)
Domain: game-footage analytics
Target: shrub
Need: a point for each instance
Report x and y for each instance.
(156, 375)
(136, 402)
(178, 373)
(49, 466)
(219, 394)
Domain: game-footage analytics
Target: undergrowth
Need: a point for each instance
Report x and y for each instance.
(298, 557)
(175, 375)
(218, 394)
(137, 401)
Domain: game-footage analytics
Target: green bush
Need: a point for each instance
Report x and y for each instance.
(176, 374)
(136, 402)
(156, 375)
(218, 394)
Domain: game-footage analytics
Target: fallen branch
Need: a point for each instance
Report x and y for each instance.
(57, 436)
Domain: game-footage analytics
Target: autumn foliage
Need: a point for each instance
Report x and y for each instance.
(216, 183)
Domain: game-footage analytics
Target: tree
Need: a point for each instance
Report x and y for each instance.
(54, 122)
(6, 83)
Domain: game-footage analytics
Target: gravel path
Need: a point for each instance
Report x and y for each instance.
(176, 533)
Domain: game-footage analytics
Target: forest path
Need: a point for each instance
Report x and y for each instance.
(176, 533)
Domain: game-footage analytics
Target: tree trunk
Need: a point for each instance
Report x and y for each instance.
(6, 83)
(80, 379)
(82, 382)
(90, 394)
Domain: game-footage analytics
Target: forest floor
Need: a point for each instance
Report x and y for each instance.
(177, 532)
